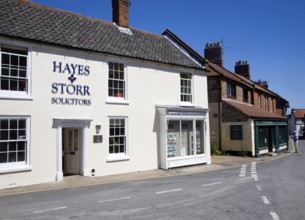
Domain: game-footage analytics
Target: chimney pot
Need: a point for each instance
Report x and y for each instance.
(242, 68)
(213, 52)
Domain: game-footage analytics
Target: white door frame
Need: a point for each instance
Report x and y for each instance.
(84, 126)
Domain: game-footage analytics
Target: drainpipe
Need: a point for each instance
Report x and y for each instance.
(220, 114)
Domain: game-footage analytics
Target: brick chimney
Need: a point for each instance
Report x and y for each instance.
(262, 83)
(213, 52)
(242, 68)
(120, 12)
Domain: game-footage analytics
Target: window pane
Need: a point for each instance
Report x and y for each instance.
(12, 146)
(21, 156)
(12, 157)
(5, 72)
(3, 157)
(4, 83)
(13, 85)
(122, 150)
(14, 60)
(4, 124)
(111, 149)
(22, 73)
(14, 72)
(116, 75)
(21, 145)
(3, 135)
(200, 137)
(13, 124)
(3, 146)
(21, 85)
(22, 124)
(116, 149)
(110, 65)
(13, 135)
(22, 61)
(5, 59)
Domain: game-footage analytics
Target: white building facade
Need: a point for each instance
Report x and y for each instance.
(66, 110)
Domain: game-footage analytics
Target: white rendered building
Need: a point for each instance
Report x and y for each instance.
(81, 96)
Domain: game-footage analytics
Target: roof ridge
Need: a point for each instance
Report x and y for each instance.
(64, 11)
(85, 16)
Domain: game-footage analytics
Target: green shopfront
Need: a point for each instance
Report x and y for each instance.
(270, 136)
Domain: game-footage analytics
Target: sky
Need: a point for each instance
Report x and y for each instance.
(269, 34)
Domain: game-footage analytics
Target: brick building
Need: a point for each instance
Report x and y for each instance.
(246, 117)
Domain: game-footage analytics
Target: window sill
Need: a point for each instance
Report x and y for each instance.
(117, 101)
(15, 169)
(114, 159)
(186, 104)
(16, 97)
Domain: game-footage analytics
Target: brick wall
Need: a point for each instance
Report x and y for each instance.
(213, 89)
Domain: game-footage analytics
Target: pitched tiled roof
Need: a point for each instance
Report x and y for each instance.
(31, 21)
(216, 70)
(299, 113)
(253, 111)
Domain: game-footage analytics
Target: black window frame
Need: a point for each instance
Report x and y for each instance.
(236, 132)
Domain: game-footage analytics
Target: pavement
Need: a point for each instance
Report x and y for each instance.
(218, 163)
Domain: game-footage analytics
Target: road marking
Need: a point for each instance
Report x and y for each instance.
(265, 200)
(274, 216)
(168, 191)
(246, 178)
(259, 188)
(253, 171)
(242, 172)
(212, 184)
(48, 210)
(111, 200)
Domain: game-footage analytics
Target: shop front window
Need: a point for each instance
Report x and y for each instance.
(180, 139)
(199, 137)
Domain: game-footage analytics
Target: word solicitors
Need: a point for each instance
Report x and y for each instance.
(74, 71)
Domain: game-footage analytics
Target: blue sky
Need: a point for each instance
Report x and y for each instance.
(269, 34)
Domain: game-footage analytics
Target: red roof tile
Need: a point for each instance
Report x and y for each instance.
(252, 111)
(299, 113)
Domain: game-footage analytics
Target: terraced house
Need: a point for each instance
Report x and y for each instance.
(82, 96)
(246, 117)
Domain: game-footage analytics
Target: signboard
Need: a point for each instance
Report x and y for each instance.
(74, 73)
(97, 138)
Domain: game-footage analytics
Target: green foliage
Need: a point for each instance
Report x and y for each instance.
(215, 150)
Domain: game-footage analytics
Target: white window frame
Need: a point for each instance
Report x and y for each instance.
(24, 165)
(118, 156)
(186, 93)
(8, 94)
(113, 99)
(259, 101)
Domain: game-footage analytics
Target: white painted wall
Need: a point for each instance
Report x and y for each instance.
(147, 85)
